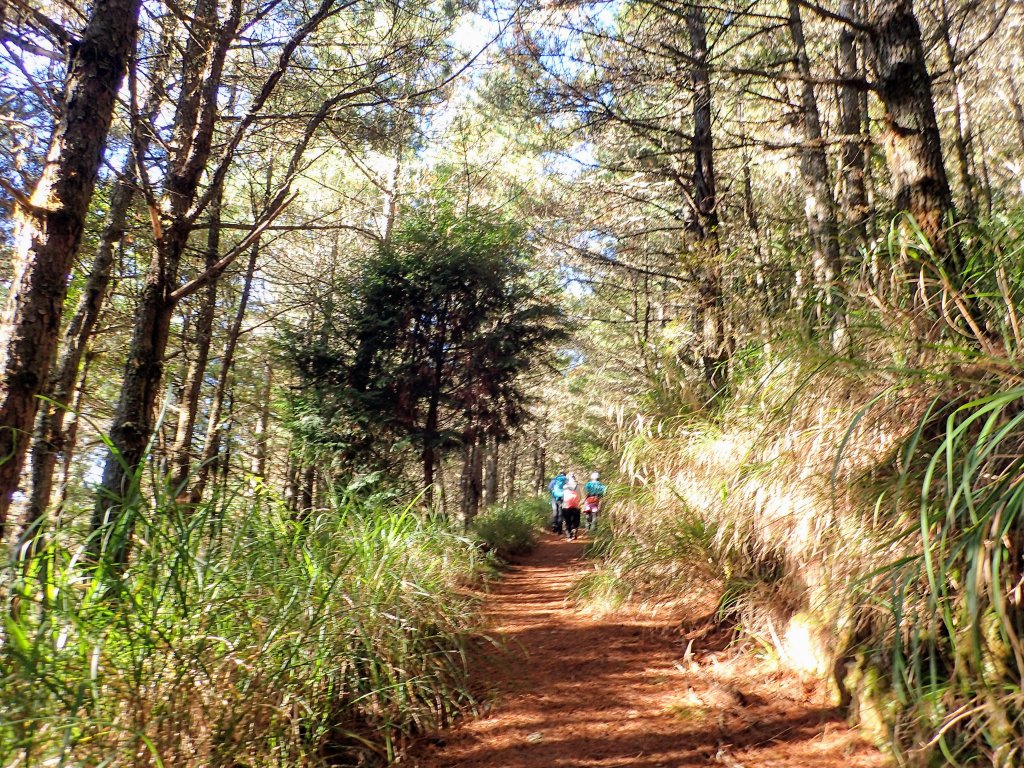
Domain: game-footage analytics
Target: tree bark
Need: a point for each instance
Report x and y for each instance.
(291, 485)
(709, 320)
(69, 437)
(819, 202)
(192, 132)
(214, 427)
(913, 145)
(181, 448)
(471, 481)
(261, 436)
(512, 475)
(306, 493)
(50, 228)
(962, 138)
(492, 470)
(49, 439)
(852, 129)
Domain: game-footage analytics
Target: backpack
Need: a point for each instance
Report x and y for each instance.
(570, 498)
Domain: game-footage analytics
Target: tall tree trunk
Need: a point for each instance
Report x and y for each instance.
(962, 138)
(540, 468)
(819, 203)
(512, 475)
(852, 128)
(192, 137)
(491, 472)
(69, 436)
(471, 481)
(49, 439)
(709, 322)
(181, 448)
(49, 436)
(50, 226)
(261, 436)
(291, 484)
(214, 426)
(913, 145)
(306, 493)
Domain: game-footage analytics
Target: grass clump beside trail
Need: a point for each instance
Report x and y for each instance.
(513, 529)
(245, 639)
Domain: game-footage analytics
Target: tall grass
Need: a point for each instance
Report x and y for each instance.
(238, 639)
(859, 515)
(512, 529)
(954, 654)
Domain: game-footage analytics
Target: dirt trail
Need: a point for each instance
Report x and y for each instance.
(576, 690)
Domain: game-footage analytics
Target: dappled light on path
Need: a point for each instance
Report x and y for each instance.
(573, 690)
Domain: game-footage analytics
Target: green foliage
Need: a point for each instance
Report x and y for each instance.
(428, 345)
(956, 620)
(245, 639)
(513, 529)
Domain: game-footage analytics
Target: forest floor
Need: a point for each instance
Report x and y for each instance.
(573, 689)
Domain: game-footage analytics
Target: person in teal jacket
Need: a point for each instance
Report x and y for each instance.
(592, 493)
(557, 488)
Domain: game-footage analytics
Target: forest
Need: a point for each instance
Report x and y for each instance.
(306, 301)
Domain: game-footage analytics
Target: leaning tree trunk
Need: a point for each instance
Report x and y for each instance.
(819, 202)
(913, 145)
(709, 320)
(51, 225)
(49, 437)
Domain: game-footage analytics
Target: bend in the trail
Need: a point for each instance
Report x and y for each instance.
(576, 690)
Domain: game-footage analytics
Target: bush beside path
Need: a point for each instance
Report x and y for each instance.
(577, 689)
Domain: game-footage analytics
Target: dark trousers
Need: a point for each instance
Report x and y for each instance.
(556, 515)
(572, 519)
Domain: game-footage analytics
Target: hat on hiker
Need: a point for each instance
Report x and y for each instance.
(595, 475)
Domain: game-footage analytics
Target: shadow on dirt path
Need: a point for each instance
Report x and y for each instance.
(574, 690)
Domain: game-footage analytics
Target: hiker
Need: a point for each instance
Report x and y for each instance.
(571, 507)
(557, 487)
(592, 492)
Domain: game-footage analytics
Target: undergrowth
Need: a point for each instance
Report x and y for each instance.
(857, 514)
(512, 529)
(238, 638)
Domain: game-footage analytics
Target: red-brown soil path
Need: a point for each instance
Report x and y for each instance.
(573, 690)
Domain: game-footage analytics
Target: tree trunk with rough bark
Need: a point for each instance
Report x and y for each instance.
(709, 319)
(49, 440)
(181, 448)
(492, 472)
(214, 426)
(913, 145)
(50, 227)
(819, 202)
(192, 131)
(851, 127)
